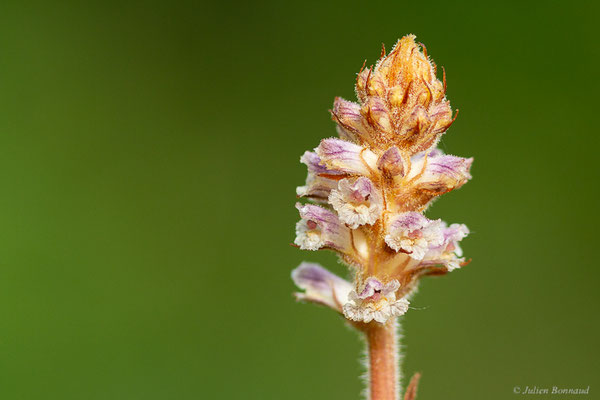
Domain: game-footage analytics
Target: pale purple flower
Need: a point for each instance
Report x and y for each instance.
(343, 156)
(320, 227)
(321, 286)
(357, 202)
(448, 253)
(315, 165)
(319, 180)
(414, 234)
(439, 173)
(375, 301)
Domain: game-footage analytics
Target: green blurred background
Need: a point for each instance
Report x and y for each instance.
(148, 161)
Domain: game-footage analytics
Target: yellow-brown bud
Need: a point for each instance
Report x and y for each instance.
(401, 102)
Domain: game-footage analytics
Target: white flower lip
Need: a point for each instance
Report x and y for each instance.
(414, 234)
(357, 202)
(320, 227)
(376, 302)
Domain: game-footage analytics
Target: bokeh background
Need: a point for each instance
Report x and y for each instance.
(149, 154)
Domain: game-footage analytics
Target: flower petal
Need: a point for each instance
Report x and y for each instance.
(357, 201)
(340, 155)
(367, 312)
(440, 173)
(372, 284)
(319, 180)
(448, 252)
(320, 227)
(317, 188)
(321, 286)
(414, 234)
(315, 165)
(375, 301)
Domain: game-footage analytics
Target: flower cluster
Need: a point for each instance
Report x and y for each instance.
(368, 189)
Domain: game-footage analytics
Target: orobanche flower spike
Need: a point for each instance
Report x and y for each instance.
(366, 193)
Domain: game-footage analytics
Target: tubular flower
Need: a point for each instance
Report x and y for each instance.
(374, 183)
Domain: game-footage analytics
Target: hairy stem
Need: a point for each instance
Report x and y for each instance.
(383, 360)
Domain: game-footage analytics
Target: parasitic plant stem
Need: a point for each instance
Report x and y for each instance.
(383, 360)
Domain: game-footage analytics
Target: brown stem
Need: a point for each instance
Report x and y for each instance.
(383, 360)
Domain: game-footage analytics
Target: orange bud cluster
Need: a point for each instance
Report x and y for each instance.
(401, 102)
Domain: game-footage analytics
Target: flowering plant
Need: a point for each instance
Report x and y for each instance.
(367, 191)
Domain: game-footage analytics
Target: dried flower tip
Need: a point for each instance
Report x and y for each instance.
(405, 79)
(390, 163)
(401, 103)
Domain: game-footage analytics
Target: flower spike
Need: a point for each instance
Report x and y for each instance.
(373, 185)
